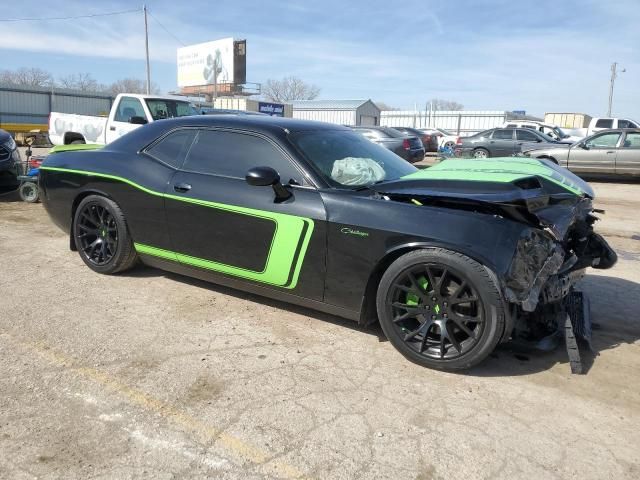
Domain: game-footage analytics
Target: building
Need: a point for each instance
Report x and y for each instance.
(342, 112)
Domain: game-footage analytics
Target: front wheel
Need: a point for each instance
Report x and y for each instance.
(480, 153)
(440, 309)
(29, 192)
(102, 237)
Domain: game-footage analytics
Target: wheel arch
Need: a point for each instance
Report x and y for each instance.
(368, 313)
(549, 157)
(72, 136)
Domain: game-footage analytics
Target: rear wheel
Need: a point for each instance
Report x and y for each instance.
(481, 153)
(102, 237)
(440, 309)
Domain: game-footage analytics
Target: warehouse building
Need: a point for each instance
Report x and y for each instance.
(341, 112)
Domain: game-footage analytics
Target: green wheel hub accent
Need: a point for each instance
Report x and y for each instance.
(288, 246)
(412, 298)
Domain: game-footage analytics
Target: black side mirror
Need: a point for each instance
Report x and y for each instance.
(265, 177)
(136, 120)
(584, 146)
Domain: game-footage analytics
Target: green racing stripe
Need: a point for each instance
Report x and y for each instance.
(500, 170)
(286, 254)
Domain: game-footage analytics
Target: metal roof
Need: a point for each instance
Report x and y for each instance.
(327, 104)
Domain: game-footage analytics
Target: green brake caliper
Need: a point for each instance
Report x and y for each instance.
(412, 298)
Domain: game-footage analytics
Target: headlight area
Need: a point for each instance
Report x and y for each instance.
(10, 144)
(537, 257)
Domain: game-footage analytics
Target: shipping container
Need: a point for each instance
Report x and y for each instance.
(568, 120)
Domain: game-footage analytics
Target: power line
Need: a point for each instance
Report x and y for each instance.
(90, 15)
(166, 30)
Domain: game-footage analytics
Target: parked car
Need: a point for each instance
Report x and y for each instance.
(10, 161)
(608, 152)
(429, 140)
(555, 132)
(127, 113)
(445, 138)
(408, 147)
(314, 214)
(500, 142)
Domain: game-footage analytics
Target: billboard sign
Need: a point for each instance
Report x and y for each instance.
(273, 109)
(206, 63)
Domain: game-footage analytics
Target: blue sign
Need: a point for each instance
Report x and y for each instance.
(273, 109)
(519, 112)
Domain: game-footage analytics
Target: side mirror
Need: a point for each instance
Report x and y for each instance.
(584, 146)
(265, 177)
(136, 120)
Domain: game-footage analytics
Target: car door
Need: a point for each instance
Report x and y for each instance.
(628, 155)
(596, 154)
(120, 125)
(221, 225)
(525, 137)
(502, 143)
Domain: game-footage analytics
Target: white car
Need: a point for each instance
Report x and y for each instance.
(552, 131)
(445, 138)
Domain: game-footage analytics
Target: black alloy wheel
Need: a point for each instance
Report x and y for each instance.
(97, 234)
(437, 311)
(440, 308)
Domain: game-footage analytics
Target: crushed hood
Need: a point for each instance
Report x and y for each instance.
(534, 191)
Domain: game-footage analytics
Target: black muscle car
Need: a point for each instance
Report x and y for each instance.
(451, 260)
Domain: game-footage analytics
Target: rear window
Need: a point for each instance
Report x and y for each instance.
(503, 134)
(172, 148)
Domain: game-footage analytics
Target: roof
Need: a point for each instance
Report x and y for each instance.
(328, 104)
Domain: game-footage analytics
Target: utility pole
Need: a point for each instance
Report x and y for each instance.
(146, 48)
(614, 74)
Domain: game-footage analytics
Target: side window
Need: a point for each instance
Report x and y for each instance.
(626, 124)
(511, 125)
(232, 154)
(632, 140)
(604, 123)
(606, 140)
(129, 107)
(172, 148)
(526, 136)
(503, 134)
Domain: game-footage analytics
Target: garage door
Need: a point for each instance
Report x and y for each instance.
(367, 120)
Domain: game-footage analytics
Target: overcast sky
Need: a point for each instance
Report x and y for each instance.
(488, 55)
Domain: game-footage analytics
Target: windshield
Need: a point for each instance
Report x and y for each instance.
(347, 159)
(162, 108)
(560, 133)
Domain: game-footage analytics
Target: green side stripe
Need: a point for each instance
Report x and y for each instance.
(286, 254)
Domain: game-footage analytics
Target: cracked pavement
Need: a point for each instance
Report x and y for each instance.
(154, 375)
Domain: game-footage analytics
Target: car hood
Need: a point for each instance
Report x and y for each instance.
(535, 191)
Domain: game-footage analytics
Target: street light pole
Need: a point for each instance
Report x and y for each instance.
(614, 75)
(146, 48)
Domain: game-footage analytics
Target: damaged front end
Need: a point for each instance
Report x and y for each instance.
(555, 246)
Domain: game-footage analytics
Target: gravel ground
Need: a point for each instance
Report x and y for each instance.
(153, 375)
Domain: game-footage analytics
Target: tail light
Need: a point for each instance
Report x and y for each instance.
(405, 144)
(458, 141)
(427, 138)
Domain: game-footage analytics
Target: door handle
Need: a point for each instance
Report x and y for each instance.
(113, 129)
(610, 151)
(182, 187)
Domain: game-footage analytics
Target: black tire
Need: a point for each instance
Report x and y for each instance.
(29, 192)
(102, 237)
(472, 316)
(481, 153)
(77, 142)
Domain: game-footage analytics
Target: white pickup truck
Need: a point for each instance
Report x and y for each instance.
(128, 112)
(602, 123)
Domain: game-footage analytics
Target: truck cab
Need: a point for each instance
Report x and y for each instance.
(128, 112)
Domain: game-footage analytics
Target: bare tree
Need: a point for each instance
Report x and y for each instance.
(289, 88)
(131, 85)
(439, 104)
(27, 77)
(385, 106)
(80, 81)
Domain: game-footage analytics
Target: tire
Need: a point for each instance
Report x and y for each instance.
(102, 237)
(29, 192)
(466, 304)
(481, 153)
(449, 144)
(77, 142)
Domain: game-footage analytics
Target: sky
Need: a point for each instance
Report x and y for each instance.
(542, 56)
